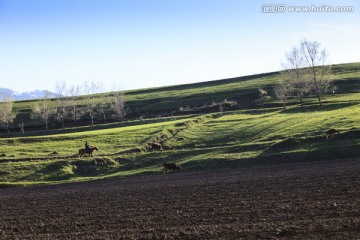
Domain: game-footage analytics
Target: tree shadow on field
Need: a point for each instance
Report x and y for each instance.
(348, 85)
(87, 168)
(59, 170)
(314, 107)
(142, 160)
(341, 146)
(64, 170)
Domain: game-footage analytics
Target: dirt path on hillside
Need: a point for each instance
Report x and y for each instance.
(318, 200)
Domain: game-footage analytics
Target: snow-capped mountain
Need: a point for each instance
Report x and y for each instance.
(25, 95)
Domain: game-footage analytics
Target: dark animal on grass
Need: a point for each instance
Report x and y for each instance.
(156, 146)
(170, 166)
(86, 151)
(99, 161)
(330, 133)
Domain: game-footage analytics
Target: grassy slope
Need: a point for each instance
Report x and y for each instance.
(167, 100)
(234, 138)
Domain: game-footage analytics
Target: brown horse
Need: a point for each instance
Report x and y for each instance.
(99, 161)
(330, 133)
(156, 146)
(86, 151)
(170, 166)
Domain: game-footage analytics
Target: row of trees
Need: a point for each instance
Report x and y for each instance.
(306, 72)
(70, 104)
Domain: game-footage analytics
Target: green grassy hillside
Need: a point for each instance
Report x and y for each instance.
(202, 138)
(198, 98)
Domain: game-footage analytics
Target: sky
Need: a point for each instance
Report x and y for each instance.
(152, 43)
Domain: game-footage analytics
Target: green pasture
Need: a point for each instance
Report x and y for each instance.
(203, 143)
(252, 135)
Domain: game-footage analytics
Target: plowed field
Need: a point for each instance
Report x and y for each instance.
(316, 200)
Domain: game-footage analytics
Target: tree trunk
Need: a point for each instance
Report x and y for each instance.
(319, 98)
(301, 101)
(92, 120)
(63, 122)
(76, 123)
(105, 118)
(22, 127)
(317, 87)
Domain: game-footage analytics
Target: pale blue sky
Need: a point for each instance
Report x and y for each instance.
(150, 43)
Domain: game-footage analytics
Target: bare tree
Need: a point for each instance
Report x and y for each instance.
(43, 110)
(61, 108)
(91, 100)
(7, 114)
(74, 103)
(103, 106)
(315, 59)
(282, 90)
(118, 104)
(101, 103)
(296, 74)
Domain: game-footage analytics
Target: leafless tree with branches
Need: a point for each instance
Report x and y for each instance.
(61, 109)
(7, 114)
(73, 100)
(118, 104)
(91, 100)
(282, 91)
(103, 107)
(316, 60)
(296, 74)
(43, 110)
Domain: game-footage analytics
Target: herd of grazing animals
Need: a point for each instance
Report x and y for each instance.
(167, 166)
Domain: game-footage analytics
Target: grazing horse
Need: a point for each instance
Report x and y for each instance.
(330, 133)
(86, 151)
(99, 161)
(170, 166)
(156, 146)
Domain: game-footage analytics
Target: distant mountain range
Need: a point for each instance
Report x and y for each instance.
(25, 95)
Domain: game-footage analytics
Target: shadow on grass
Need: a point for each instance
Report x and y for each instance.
(327, 106)
(319, 154)
(65, 170)
(56, 171)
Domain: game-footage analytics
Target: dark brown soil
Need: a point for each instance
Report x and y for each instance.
(318, 200)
